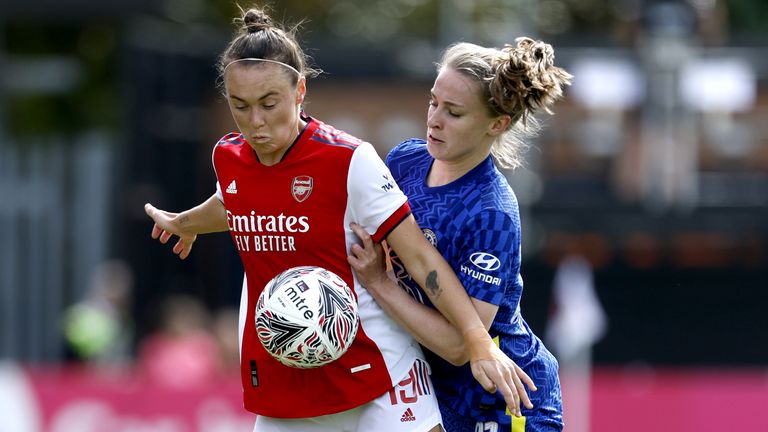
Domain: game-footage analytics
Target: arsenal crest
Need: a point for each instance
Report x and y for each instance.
(301, 188)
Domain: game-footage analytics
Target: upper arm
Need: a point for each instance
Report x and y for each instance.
(486, 311)
(412, 248)
(488, 255)
(209, 216)
(376, 202)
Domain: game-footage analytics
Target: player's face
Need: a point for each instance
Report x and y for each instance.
(266, 106)
(459, 126)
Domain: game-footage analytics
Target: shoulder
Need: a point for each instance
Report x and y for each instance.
(231, 139)
(406, 154)
(496, 193)
(491, 202)
(330, 138)
(229, 143)
(408, 148)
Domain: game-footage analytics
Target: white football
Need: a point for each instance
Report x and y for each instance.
(306, 317)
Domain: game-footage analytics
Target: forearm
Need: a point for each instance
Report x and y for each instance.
(208, 217)
(425, 324)
(427, 267)
(447, 294)
(493, 369)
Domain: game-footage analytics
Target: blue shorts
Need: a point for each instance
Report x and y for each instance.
(455, 422)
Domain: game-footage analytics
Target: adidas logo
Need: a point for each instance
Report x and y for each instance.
(408, 416)
(232, 188)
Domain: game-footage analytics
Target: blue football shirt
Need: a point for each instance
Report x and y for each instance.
(474, 222)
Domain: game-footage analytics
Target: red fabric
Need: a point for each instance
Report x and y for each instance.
(296, 232)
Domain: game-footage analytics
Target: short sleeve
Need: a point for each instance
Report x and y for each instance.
(218, 192)
(375, 200)
(219, 195)
(489, 256)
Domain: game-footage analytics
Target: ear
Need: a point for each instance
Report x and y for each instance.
(499, 125)
(301, 90)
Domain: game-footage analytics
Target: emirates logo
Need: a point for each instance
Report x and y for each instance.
(301, 188)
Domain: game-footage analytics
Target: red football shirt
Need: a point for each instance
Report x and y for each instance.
(297, 213)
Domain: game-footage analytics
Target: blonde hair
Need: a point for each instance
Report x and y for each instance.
(516, 81)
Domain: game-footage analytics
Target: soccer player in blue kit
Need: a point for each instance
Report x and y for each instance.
(481, 107)
(277, 156)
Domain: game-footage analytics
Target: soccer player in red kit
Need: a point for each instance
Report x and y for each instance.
(288, 189)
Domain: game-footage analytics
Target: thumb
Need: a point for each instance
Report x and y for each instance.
(149, 209)
(482, 378)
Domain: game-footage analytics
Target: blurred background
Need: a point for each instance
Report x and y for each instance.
(644, 200)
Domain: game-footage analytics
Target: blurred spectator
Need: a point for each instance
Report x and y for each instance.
(577, 322)
(225, 323)
(182, 352)
(98, 329)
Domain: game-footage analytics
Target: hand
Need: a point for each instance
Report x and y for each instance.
(166, 225)
(367, 260)
(495, 371)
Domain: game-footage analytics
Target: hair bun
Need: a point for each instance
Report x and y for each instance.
(255, 20)
(526, 79)
(536, 51)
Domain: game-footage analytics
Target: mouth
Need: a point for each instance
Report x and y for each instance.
(432, 138)
(259, 139)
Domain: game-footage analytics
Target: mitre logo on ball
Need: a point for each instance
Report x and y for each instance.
(306, 317)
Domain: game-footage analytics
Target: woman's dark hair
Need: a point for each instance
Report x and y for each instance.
(258, 37)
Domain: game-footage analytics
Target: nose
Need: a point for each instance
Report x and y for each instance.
(256, 119)
(432, 119)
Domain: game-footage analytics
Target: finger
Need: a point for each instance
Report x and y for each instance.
(521, 379)
(357, 251)
(182, 248)
(164, 237)
(519, 395)
(482, 378)
(353, 262)
(155, 212)
(378, 249)
(363, 235)
(367, 241)
(156, 231)
(527, 380)
(508, 389)
(358, 230)
(185, 252)
(524, 398)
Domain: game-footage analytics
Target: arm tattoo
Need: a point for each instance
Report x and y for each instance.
(432, 286)
(183, 220)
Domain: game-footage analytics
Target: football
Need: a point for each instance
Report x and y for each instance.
(306, 317)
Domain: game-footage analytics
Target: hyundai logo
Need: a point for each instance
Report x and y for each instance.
(485, 261)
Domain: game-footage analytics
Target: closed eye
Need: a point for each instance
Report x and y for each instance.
(434, 104)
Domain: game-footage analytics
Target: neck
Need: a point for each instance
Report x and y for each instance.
(444, 172)
(272, 158)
